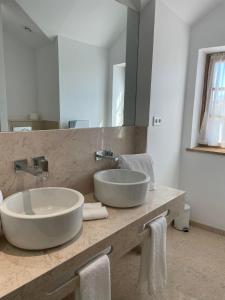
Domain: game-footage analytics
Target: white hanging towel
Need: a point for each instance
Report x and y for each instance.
(141, 163)
(95, 280)
(1, 200)
(153, 268)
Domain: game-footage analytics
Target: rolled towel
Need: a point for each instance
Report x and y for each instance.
(1, 200)
(153, 269)
(94, 211)
(141, 163)
(95, 280)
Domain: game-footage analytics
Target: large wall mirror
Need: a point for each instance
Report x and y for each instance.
(67, 64)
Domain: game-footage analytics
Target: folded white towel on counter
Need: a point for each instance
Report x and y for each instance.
(92, 205)
(95, 280)
(153, 269)
(94, 211)
(141, 163)
(1, 200)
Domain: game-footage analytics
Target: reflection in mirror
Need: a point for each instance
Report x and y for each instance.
(67, 64)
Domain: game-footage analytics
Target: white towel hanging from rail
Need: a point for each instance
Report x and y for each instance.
(73, 283)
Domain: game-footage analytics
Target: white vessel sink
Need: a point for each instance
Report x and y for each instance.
(42, 218)
(120, 187)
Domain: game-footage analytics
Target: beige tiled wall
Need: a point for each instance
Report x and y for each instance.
(70, 154)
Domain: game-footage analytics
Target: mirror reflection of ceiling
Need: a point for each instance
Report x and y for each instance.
(15, 19)
(103, 19)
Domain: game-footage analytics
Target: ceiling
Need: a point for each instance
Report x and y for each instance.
(14, 22)
(95, 22)
(190, 11)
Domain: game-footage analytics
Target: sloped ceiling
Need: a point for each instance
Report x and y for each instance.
(96, 22)
(190, 11)
(14, 22)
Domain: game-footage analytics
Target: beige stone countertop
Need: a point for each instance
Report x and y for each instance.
(24, 271)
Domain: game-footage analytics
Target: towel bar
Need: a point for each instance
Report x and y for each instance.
(73, 283)
(164, 214)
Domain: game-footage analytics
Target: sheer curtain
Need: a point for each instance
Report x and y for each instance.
(212, 132)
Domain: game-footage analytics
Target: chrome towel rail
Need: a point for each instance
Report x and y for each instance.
(74, 282)
(164, 214)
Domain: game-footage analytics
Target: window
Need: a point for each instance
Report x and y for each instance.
(212, 130)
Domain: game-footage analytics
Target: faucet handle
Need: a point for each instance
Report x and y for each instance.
(44, 165)
(105, 154)
(108, 152)
(41, 162)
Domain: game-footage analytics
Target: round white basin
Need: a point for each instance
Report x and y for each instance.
(42, 218)
(121, 187)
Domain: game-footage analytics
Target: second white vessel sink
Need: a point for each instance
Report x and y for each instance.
(121, 187)
(42, 218)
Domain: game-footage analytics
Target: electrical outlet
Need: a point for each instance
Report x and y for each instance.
(156, 121)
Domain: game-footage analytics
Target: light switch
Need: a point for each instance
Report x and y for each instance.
(156, 121)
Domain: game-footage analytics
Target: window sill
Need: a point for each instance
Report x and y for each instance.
(209, 150)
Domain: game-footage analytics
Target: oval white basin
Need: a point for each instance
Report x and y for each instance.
(120, 187)
(42, 218)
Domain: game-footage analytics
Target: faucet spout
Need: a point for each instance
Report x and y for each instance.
(33, 171)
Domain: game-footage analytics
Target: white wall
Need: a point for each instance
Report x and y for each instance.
(116, 55)
(21, 77)
(202, 175)
(167, 93)
(48, 82)
(3, 98)
(83, 74)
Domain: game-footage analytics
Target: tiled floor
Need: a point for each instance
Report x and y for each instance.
(196, 268)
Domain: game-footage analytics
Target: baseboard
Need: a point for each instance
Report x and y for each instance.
(208, 228)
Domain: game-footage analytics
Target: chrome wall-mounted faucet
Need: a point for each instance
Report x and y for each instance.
(106, 154)
(39, 166)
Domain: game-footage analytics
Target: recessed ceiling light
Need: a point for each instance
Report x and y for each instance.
(28, 29)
